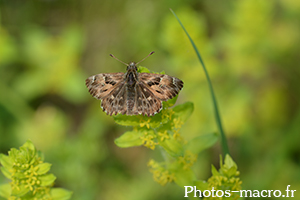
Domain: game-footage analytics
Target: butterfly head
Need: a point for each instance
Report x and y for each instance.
(132, 66)
(131, 74)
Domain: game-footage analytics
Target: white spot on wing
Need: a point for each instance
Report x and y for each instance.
(174, 80)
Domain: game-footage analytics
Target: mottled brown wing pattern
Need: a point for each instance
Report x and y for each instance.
(162, 86)
(110, 88)
(145, 101)
(101, 85)
(115, 102)
(133, 93)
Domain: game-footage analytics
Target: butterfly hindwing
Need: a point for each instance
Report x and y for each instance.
(146, 103)
(115, 102)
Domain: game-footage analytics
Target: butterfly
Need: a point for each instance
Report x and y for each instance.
(133, 93)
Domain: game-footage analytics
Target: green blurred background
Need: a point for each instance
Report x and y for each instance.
(251, 49)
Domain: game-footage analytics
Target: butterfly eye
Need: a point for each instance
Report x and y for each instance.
(135, 68)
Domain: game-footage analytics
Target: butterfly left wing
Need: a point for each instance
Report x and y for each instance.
(115, 102)
(101, 85)
(110, 89)
(164, 87)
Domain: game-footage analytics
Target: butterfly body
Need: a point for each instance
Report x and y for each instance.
(133, 93)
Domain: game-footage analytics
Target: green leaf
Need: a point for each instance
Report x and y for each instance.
(184, 177)
(20, 175)
(60, 194)
(47, 180)
(230, 165)
(6, 172)
(29, 145)
(43, 168)
(20, 191)
(201, 185)
(143, 70)
(162, 72)
(184, 110)
(136, 120)
(129, 139)
(157, 120)
(40, 155)
(13, 154)
(172, 147)
(5, 190)
(126, 120)
(165, 127)
(229, 162)
(6, 161)
(231, 172)
(214, 171)
(202, 142)
(170, 102)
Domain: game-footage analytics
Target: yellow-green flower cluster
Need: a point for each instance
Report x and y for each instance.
(148, 141)
(145, 123)
(167, 113)
(163, 135)
(154, 130)
(162, 130)
(158, 128)
(187, 160)
(160, 174)
(28, 174)
(225, 179)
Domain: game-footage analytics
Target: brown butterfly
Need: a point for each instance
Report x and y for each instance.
(133, 93)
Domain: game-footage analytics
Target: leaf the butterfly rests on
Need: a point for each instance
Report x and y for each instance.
(133, 93)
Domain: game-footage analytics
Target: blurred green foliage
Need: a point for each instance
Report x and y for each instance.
(250, 48)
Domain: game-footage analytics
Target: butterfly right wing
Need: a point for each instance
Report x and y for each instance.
(163, 86)
(151, 90)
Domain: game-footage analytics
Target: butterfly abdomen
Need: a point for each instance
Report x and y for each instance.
(130, 99)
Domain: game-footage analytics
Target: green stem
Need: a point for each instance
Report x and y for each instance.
(216, 111)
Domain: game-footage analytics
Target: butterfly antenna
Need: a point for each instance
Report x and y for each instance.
(145, 57)
(118, 59)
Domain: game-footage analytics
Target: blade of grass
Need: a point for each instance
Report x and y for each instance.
(217, 115)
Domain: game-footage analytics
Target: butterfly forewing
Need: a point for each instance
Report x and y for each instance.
(101, 85)
(162, 86)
